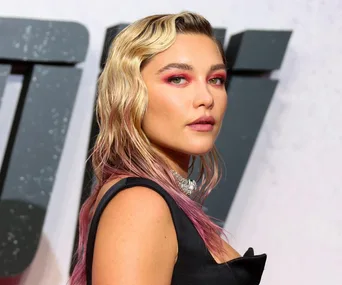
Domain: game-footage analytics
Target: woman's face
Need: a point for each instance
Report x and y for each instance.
(184, 83)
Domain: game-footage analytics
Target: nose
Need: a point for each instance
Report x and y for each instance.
(203, 97)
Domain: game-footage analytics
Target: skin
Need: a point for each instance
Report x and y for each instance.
(177, 97)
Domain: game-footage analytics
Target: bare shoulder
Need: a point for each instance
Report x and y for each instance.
(136, 241)
(135, 200)
(138, 202)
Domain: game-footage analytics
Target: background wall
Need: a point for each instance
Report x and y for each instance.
(288, 204)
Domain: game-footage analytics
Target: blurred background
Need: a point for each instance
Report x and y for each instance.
(282, 189)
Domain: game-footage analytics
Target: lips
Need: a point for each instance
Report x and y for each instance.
(201, 127)
(203, 124)
(204, 120)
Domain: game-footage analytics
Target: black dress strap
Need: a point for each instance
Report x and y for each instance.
(109, 195)
(194, 264)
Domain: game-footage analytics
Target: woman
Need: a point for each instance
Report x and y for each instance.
(161, 102)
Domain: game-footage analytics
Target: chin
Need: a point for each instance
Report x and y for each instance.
(200, 150)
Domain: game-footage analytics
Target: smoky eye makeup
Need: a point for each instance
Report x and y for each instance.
(222, 76)
(177, 78)
(181, 78)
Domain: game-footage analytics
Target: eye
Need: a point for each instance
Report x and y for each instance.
(177, 80)
(217, 81)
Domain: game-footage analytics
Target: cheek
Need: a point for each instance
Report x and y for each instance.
(164, 110)
(169, 101)
(221, 105)
(224, 104)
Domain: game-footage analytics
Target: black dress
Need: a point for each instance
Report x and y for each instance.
(195, 265)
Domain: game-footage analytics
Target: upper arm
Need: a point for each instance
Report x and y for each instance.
(136, 241)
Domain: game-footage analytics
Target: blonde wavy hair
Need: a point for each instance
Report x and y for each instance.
(122, 148)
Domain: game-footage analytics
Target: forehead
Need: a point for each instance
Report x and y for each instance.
(197, 50)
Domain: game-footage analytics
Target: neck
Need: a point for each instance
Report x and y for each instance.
(176, 160)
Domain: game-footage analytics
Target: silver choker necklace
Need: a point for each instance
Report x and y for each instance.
(187, 185)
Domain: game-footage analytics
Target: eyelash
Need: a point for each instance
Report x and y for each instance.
(221, 78)
(170, 79)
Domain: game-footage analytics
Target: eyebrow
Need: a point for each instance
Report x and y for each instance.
(185, 66)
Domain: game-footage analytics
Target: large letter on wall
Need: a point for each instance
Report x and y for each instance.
(251, 56)
(45, 52)
(4, 72)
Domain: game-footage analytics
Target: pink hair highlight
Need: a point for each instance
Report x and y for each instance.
(122, 149)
